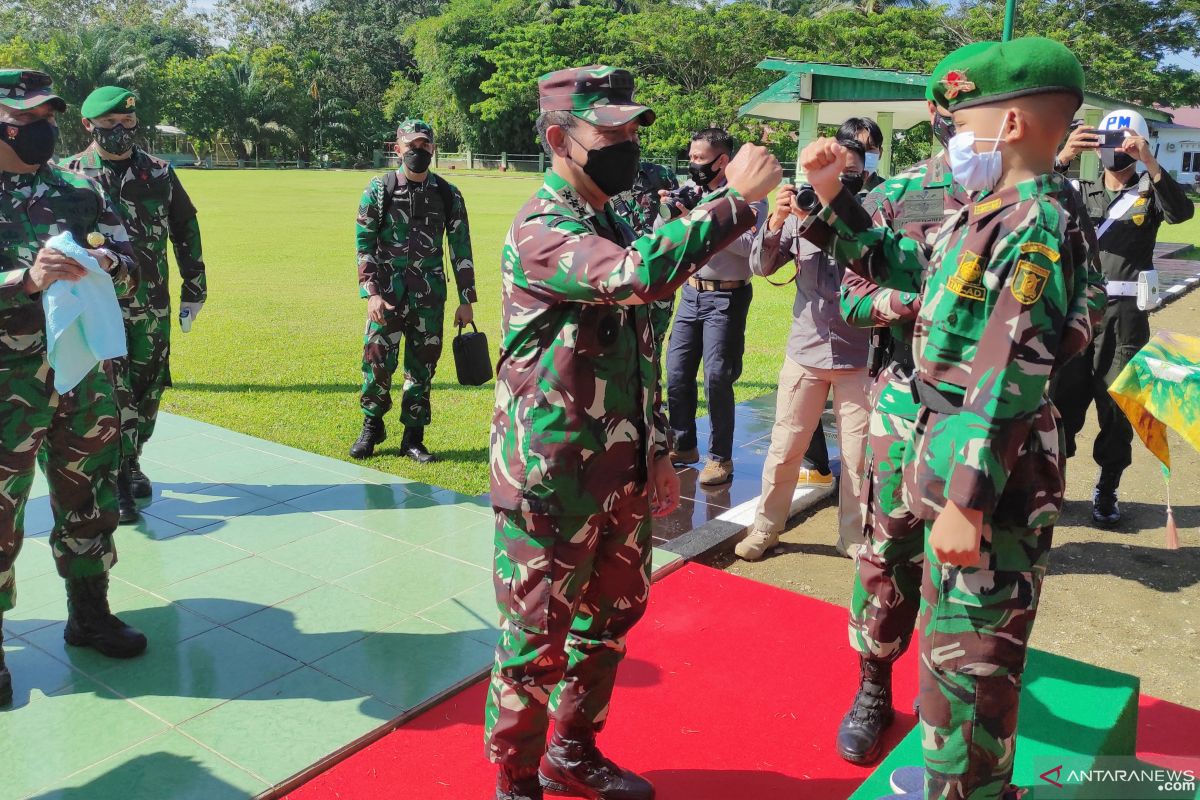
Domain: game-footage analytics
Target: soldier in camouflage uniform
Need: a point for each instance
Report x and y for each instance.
(74, 436)
(886, 595)
(152, 202)
(401, 221)
(984, 471)
(640, 205)
(578, 447)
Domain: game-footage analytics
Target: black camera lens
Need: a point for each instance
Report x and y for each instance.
(807, 200)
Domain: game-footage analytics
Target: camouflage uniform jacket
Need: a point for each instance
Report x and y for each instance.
(916, 203)
(33, 208)
(893, 258)
(152, 202)
(994, 316)
(403, 254)
(578, 417)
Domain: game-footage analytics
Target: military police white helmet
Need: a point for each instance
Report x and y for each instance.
(1125, 118)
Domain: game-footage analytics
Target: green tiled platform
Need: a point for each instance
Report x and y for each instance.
(294, 605)
(1071, 714)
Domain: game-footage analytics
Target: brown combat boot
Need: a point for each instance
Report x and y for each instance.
(575, 768)
(716, 472)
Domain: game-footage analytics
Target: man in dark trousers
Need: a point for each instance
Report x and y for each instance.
(1127, 207)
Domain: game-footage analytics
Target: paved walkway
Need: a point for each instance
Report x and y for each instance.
(294, 604)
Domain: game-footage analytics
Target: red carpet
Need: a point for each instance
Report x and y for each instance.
(731, 689)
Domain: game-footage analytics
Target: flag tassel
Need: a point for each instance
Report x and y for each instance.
(1172, 530)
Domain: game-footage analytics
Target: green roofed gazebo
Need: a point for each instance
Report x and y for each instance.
(811, 94)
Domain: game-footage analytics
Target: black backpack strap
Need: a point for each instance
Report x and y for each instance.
(446, 192)
(390, 182)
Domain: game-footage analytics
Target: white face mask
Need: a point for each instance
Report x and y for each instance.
(871, 162)
(974, 171)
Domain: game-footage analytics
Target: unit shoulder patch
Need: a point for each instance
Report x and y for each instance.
(1029, 282)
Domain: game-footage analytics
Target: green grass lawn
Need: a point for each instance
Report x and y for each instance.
(277, 350)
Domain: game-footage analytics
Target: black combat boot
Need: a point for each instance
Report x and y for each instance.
(858, 737)
(5, 677)
(127, 510)
(575, 768)
(373, 433)
(138, 481)
(91, 624)
(1105, 510)
(518, 785)
(413, 446)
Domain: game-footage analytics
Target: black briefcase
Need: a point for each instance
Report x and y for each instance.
(472, 359)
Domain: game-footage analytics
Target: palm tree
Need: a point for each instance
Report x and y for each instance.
(256, 111)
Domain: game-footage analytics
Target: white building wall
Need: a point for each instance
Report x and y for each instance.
(1178, 151)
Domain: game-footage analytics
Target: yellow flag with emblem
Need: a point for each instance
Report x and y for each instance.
(1159, 389)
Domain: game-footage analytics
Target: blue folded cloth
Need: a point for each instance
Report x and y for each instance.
(83, 319)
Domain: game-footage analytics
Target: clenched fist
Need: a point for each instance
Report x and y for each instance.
(754, 172)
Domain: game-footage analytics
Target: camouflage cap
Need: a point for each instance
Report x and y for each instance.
(412, 128)
(1003, 70)
(595, 93)
(109, 100)
(27, 88)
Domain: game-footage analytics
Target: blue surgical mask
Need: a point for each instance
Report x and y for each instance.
(871, 162)
(975, 172)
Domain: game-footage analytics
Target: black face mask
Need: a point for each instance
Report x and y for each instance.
(943, 129)
(117, 140)
(613, 168)
(1122, 162)
(418, 160)
(853, 183)
(33, 142)
(704, 174)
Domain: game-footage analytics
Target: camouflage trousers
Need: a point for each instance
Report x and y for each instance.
(887, 572)
(570, 588)
(974, 631)
(140, 378)
(420, 327)
(74, 438)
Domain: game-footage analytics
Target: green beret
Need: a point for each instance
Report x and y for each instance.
(415, 126)
(27, 88)
(975, 75)
(109, 100)
(943, 66)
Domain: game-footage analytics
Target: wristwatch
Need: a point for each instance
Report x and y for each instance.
(112, 258)
(1060, 167)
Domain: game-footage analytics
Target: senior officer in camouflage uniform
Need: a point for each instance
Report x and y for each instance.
(401, 221)
(578, 448)
(74, 436)
(984, 470)
(148, 196)
(885, 600)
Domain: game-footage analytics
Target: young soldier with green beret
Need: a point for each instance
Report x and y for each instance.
(884, 603)
(579, 455)
(152, 202)
(402, 220)
(984, 471)
(72, 436)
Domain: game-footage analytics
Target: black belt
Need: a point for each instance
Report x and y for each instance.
(935, 399)
(886, 349)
